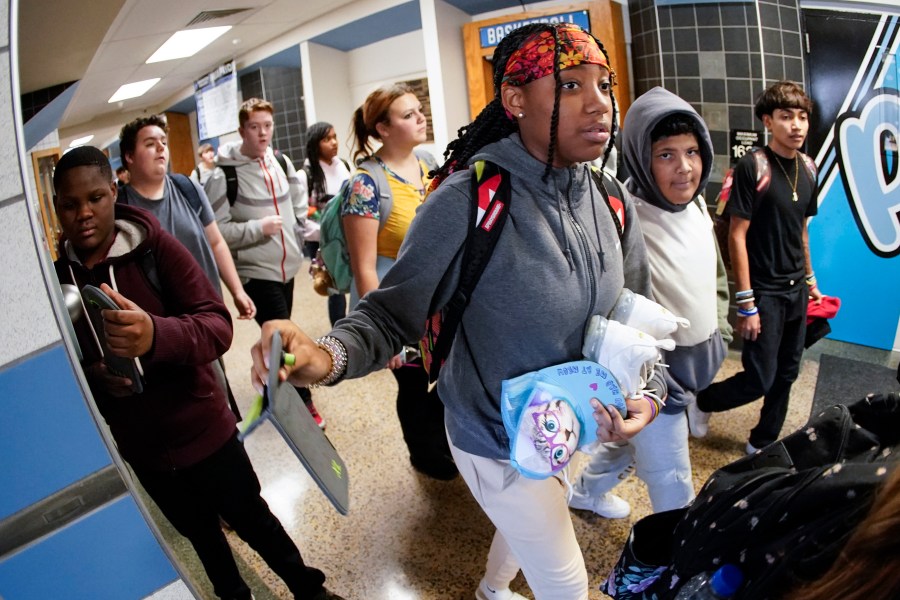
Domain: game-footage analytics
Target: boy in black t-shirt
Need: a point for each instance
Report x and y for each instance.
(773, 273)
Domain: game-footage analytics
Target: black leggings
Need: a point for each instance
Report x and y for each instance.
(421, 413)
(225, 485)
(274, 300)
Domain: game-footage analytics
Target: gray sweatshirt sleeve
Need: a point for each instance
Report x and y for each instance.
(237, 234)
(299, 192)
(636, 268)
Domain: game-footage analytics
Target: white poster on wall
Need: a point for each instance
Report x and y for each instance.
(217, 102)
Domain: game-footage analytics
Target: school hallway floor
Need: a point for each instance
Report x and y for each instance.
(408, 537)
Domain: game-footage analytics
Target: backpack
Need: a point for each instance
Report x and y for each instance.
(491, 200)
(763, 178)
(333, 253)
(781, 515)
(184, 185)
(231, 181)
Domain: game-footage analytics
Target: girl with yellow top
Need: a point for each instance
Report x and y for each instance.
(393, 116)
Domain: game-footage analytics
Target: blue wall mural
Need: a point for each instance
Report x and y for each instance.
(855, 239)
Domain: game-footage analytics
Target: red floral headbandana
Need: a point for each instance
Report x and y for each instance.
(534, 58)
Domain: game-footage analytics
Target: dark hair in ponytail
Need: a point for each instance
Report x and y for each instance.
(315, 133)
(492, 123)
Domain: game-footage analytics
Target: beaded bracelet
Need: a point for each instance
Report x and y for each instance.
(654, 408)
(749, 312)
(338, 354)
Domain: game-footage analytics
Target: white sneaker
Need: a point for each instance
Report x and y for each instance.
(485, 592)
(751, 449)
(606, 505)
(698, 421)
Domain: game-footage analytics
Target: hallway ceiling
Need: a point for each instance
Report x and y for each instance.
(105, 43)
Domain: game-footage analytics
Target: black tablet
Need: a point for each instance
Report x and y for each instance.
(95, 300)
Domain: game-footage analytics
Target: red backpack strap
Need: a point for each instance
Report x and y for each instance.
(489, 210)
(763, 171)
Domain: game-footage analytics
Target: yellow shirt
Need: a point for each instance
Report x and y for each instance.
(407, 197)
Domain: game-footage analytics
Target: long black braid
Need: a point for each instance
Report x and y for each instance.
(614, 127)
(554, 118)
(315, 134)
(493, 124)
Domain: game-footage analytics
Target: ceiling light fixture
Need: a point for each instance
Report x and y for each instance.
(187, 42)
(133, 90)
(81, 141)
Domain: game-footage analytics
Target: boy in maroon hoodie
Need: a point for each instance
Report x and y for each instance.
(178, 434)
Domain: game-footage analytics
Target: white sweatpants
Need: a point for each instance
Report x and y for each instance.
(534, 529)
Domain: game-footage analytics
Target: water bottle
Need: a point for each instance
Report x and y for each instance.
(722, 584)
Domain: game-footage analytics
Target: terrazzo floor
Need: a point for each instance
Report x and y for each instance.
(408, 537)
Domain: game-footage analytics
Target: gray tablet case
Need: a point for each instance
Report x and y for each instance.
(96, 301)
(286, 411)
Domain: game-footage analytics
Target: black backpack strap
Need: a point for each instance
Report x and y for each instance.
(148, 266)
(187, 189)
(612, 193)
(282, 160)
(479, 246)
(231, 183)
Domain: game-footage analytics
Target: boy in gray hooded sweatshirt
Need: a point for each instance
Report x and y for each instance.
(668, 152)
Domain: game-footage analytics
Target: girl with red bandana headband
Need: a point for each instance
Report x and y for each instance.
(558, 261)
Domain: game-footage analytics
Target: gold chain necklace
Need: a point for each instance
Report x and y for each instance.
(796, 174)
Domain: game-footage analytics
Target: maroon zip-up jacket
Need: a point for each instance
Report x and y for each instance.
(182, 416)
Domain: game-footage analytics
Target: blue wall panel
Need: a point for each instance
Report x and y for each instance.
(110, 554)
(49, 439)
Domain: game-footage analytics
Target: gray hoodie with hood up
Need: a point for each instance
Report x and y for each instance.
(687, 272)
(558, 262)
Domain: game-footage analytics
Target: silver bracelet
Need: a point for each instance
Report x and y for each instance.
(338, 354)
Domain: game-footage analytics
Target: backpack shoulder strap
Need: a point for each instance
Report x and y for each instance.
(187, 189)
(489, 209)
(763, 170)
(231, 183)
(811, 169)
(613, 195)
(282, 160)
(382, 188)
(148, 265)
(427, 158)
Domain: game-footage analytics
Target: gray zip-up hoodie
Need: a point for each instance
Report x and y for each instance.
(558, 262)
(263, 189)
(687, 272)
